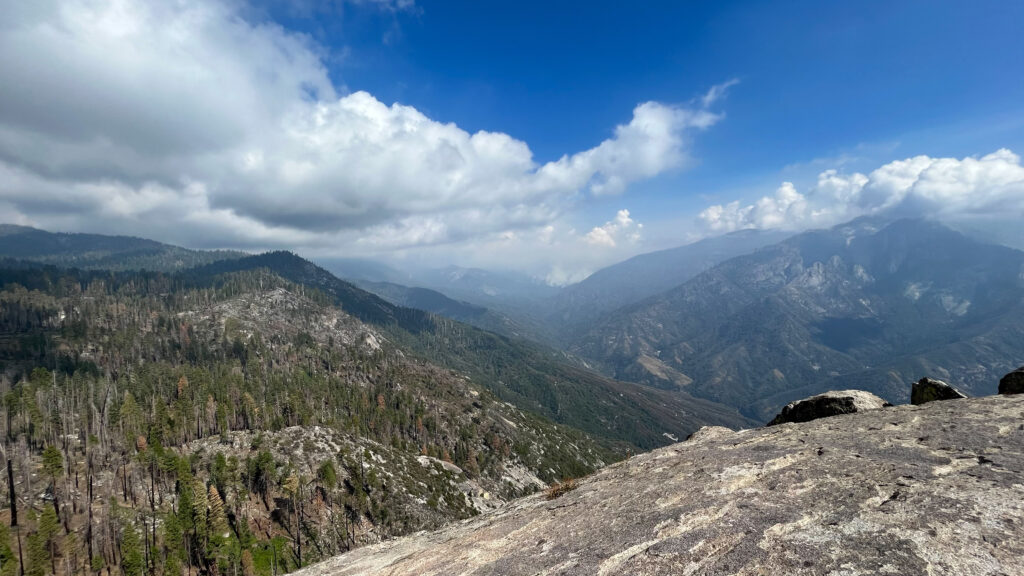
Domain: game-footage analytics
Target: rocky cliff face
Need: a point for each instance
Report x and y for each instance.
(931, 489)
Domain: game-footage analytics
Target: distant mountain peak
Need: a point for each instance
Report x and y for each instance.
(649, 274)
(865, 304)
(6, 229)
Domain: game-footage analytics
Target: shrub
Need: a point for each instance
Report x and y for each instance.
(560, 488)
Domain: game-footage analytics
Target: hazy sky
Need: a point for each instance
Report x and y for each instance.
(552, 137)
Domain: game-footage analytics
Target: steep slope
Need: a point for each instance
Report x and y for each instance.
(867, 304)
(516, 296)
(437, 303)
(311, 431)
(424, 299)
(648, 274)
(531, 376)
(931, 489)
(101, 252)
(504, 303)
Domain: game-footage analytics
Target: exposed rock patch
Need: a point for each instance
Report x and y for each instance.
(828, 404)
(928, 390)
(1012, 383)
(933, 489)
(706, 432)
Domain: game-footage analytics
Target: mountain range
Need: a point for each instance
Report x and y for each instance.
(648, 274)
(871, 304)
(748, 320)
(277, 414)
(521, 306)
(533, 376)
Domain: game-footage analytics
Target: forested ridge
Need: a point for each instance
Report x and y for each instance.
(102, 252)
(527, 374)
(235, 422)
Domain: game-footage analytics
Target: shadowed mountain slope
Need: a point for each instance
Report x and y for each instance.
(648, 274)
(868, 304)
(101, 252)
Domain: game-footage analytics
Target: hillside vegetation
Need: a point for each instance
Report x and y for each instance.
(238, 423)
(102, 252)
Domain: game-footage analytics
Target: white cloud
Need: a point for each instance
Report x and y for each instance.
(614, 231)
(651, 143)
(945, 188)
(778, 211)
(186, 122)
(389, 4)
(718, 92)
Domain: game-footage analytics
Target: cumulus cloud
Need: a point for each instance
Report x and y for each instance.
(945, 188)
(612, 232)
(187, 122)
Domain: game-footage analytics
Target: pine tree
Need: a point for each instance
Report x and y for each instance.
(38, 556)
(327, 475)
(219, 550)
(217, 521)
(8, 560)
(42, 544)
(53, 467)
(130, 418)
(53, 462)
(132, 562)
(200, 505)
(172, 538)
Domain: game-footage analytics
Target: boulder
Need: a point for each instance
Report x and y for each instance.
(709, 432)
(832, 403)
(1012, 383)
(928, 390)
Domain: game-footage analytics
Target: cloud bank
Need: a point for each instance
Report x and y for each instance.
(922, 186)
(186, 122)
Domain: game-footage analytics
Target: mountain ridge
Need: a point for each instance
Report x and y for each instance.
(102, 252)
(527, 373)
(644, 275)
(807, 312)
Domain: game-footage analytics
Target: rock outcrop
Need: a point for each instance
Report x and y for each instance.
(828, 404)
(1012, 383)
(928, 390)
(933, 489)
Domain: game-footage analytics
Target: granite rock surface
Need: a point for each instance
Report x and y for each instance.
(930, 489)
(929, 390)
(830, 403)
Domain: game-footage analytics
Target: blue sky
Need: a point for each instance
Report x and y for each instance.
(813, 86)
(860, 83)
(818, 79)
